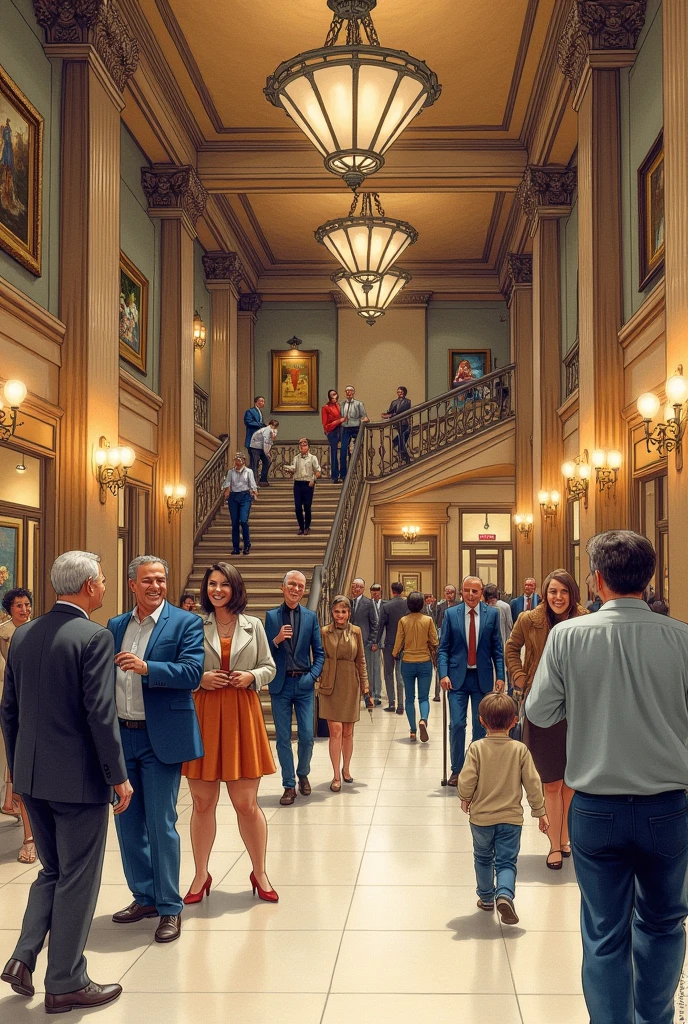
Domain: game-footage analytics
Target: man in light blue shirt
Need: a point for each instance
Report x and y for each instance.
(620, 678)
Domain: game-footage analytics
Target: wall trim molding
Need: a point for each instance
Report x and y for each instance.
(24, 309)
(650, 313)
(136, 389)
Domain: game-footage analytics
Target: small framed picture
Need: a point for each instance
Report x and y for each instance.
(133, 313)
(294, 381)
(410, 582)
(21, 164)
(651, 213)
(466, 365)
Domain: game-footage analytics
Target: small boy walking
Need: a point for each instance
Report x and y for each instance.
(489, 788)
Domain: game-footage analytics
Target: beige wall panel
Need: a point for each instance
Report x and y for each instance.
(645, 373)
(135, 429)
(41, 376)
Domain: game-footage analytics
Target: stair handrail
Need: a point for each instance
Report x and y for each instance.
(208, 489)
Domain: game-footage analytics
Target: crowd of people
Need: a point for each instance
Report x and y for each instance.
(588, 713)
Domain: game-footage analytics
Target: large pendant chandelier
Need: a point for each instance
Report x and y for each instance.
(353, 100)
(371, 300)
(366, 245)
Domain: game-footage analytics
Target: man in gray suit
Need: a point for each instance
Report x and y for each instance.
(392, 612)
(363, 616)
(64, 753)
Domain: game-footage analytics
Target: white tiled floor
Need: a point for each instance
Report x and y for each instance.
(376, 922)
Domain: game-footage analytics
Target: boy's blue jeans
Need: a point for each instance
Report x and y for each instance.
(495, 851)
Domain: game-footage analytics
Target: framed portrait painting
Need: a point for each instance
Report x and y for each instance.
(651, 213)
(467, 364)
(294, 381)
(133, 313)
(410, 582)
(21, 163)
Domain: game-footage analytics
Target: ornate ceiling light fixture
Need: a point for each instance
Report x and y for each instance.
(366, 245)
(353, 100)
(371, 300)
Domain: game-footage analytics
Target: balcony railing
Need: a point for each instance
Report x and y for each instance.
(283, 453)
(208, 488)
(201, 408)
(571, 368)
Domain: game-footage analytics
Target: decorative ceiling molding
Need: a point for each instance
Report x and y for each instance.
(411, 299)
(546, 186)
(97, 22)
(223, 266)
(250, 302)
(520, 268)
(174, 188)
(598, 25)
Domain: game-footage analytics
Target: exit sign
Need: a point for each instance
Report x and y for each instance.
(487, 536)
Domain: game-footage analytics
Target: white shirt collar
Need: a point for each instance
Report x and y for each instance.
(153, 615)
(71, 604)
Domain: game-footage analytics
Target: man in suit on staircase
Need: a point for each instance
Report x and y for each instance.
(470, 655)
(392, 612)
(253, 420)
(528, 600)
(294, 637)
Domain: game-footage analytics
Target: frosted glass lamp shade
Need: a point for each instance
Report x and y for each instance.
(15, 392)
(648, 405)
(371, 301)
(366, 246)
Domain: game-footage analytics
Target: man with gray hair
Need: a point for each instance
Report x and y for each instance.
(159, 662)
(620, 679)
(64, 753)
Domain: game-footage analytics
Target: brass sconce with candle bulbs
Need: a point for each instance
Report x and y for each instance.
(199, 332)
(174, 498)
(666, 436)
(577, 474)
(524, 524)
(14, 393)
(111, 467)
(606, 465)
(549, 504)
(410, 533)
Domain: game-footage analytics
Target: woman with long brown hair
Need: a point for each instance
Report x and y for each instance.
(560, 601)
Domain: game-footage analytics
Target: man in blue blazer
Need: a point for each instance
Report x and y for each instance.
(159, 663)
(295, 644)
(470, 656)
(528, 600)
(253, 420)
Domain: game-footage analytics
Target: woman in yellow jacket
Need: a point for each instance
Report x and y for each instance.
(417, 639)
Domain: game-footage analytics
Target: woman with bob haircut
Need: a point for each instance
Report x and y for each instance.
(560, 600)
(235, 742)
(417, 638)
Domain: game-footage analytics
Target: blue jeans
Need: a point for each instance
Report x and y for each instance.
(292, 695)
(147, 834)
(349, 434)
(631, 855)
(495, 852)
(458, 711)
(337, 466)
(422, 672)
(240, 509)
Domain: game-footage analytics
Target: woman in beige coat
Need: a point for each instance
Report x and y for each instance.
(342, 682)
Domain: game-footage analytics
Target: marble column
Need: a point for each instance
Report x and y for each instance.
(175, 196)
(598, 40)
(249, 304)
(99, 55)
(223, 273)
(675, 14)
(520, 300)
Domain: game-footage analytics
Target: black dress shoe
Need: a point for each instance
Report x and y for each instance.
(18, 976)
(92, 995)
(235, 551)
(247, 548)
(377, 702)
(169, 929)
(437, 699)
(390, 707)
(134, 912)
(400, 711)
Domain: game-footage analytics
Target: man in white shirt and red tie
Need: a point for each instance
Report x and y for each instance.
(528, 600)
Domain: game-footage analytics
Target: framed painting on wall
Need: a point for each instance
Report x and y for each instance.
(10, 553)
(133, 313)
(651, 213)
(467, 364)
(410, 582)
(21, 169)
(294, 381)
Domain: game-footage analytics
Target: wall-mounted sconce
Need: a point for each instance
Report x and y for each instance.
(607, 466)
(198, 331)
(667, 436)
(577, 474)
(174, 495)
(409, 533)
(112, 466)
(14, 394)
(524, 524)
(549, 503)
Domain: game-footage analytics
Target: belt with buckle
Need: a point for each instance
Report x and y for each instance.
(301, 672)
(129, 723)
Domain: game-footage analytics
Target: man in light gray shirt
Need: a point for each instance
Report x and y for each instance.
(354, 414)
(620, 678)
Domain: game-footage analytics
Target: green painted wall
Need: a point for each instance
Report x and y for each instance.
(642, 117)
(202, 357)
(464, 325)
(568, 250)
(140, 241)
(24, 60)
(316, 324)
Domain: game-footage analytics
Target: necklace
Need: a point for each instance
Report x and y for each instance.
(226, 629)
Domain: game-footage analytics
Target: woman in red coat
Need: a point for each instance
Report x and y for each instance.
(332, 420)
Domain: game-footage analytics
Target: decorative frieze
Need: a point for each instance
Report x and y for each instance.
(519, 267)
(97, 22)
(250, 302)
(412, 299)
(598, 25)
(546, 186)
(223, 266)
(168, 187)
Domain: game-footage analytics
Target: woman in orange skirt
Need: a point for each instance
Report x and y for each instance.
(237, 751)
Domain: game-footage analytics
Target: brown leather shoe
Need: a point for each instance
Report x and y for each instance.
(18, 975)
(304, 785)
(134, 912)
(92, 995)
(453, 779)
(289, 796)
(169, 929)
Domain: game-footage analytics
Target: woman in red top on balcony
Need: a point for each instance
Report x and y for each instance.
(332, 420)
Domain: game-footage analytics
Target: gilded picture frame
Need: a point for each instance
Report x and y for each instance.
(651, 214)
(467, 364)
(294, 380)
(21, 176)
(133, 314)
(410, 582)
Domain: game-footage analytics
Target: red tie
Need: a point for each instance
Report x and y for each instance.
(528, 605)
(471, 640)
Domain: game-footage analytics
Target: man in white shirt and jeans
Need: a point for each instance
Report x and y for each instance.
(354, 414)
(305, 469)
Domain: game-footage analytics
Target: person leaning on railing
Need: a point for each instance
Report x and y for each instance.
(400, 404)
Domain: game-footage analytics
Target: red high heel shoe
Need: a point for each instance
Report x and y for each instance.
(196, 897)
(269, 895)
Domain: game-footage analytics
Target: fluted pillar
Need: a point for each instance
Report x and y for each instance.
(175, 196)
(675, 15)
(249, 304)
(520, 299)
(599, 39)
(99, 56)
(223, 273)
